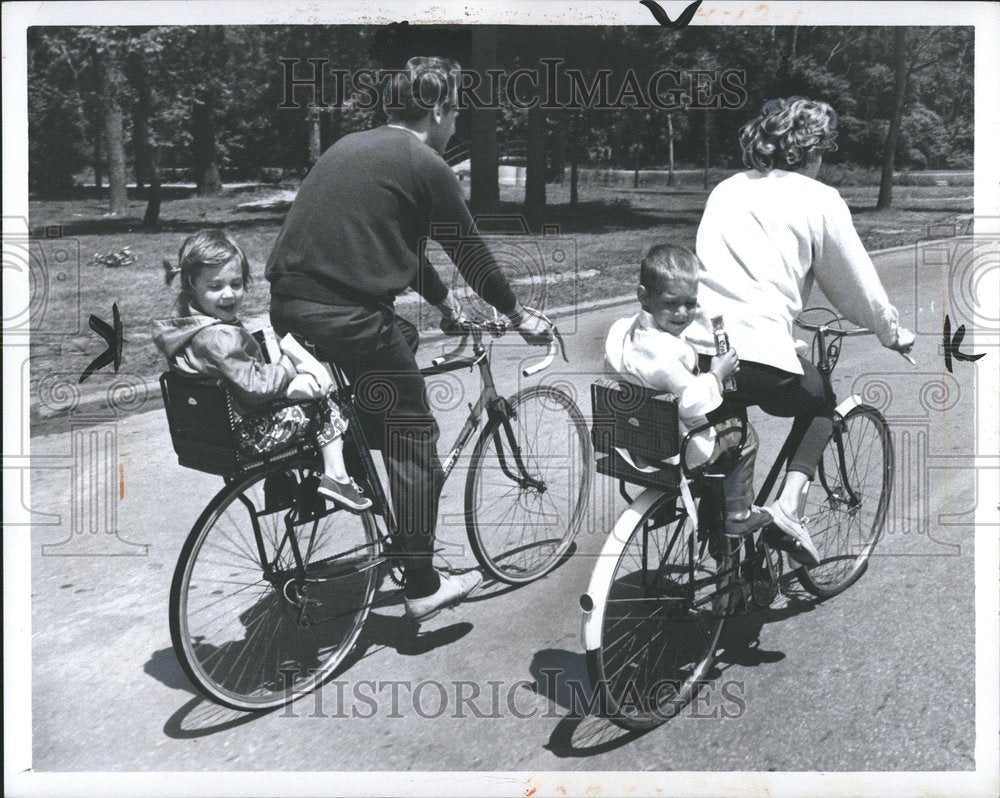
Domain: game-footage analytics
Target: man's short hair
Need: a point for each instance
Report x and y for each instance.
(666, 262)
(424, 83)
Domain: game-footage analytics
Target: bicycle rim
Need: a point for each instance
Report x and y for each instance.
(520, 528)
(848, 500)
(660, 629)
(254, 643)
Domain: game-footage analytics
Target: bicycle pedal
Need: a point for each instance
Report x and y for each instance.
(777, 539)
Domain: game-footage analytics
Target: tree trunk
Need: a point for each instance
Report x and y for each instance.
(206, 157)
(670, 149)
(559, 145)
(110, 80)
(146, 156)
(98, 133)
(152, 216)
(574, 169)
(892, 137)
(484, 160)
(137, 148)
(704, 177)
(534, 183)
(313, 117)
(140, 119)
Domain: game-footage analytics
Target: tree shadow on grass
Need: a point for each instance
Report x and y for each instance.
(586, 217)
(132, 225)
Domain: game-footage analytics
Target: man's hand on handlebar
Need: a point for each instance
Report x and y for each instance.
(534, 329)
(452, 316)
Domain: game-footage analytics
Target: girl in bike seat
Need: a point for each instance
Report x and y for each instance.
(207, 338)
(648, 348)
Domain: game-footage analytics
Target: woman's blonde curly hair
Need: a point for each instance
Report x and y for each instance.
(788, 134)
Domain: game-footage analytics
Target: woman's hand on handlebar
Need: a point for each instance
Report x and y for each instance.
(904, 344)
(904, 341)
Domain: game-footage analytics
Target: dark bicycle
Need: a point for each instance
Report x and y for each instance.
(273, 584)
(667, 578)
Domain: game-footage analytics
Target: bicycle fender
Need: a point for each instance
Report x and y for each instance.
(848, 405)
(593, 601)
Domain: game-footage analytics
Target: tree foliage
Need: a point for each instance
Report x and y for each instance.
(213, 95)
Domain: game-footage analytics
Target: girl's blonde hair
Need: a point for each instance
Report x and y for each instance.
(788, 134)
(205, 249)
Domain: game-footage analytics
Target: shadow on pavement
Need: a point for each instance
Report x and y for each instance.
(741, 635)
(200, 718)
(561, 676)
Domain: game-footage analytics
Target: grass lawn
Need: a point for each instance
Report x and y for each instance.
(601, 239)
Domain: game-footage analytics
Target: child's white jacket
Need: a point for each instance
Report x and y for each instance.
(643, 354)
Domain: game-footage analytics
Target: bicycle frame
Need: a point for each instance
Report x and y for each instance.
(489, 402)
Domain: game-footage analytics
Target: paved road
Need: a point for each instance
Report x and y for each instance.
(880, 678)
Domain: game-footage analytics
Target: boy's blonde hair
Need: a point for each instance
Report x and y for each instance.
(666, 262)
(205, 249)
(788, 134)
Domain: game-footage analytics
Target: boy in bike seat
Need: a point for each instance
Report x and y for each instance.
(649, 349)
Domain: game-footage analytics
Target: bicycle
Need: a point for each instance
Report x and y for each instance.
(667, 578)
(273, 585)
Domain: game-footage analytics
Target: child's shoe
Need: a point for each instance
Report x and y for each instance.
(347, 494)
(757, 518)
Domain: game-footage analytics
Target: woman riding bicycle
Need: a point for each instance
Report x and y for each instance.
(765, 236)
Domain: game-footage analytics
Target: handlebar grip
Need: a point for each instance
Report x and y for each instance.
(545, 362)
(453, 354)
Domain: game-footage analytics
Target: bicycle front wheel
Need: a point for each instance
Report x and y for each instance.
(848, 500)
(653, 620)
(271, 589)
(528, 486)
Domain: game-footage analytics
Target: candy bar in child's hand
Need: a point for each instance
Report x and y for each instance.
(304, 386)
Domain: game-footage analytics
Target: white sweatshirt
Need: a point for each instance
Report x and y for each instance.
(638, 350)
(763, 238)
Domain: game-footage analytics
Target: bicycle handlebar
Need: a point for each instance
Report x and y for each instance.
(826, 328)
(545, 362)
(498, 329)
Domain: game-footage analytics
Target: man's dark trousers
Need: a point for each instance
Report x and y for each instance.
(375, 349)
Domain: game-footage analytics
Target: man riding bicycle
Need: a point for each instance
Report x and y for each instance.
(349, 246)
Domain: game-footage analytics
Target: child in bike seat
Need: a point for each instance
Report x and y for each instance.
(649, 349)
(207, 338)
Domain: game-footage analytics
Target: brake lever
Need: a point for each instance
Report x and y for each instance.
(562, 344)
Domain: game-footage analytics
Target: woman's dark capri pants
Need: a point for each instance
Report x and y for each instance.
(781, 393)
(375, 349)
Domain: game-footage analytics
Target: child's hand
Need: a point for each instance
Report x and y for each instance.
(305, 363)
(725, 366)
(304, 386)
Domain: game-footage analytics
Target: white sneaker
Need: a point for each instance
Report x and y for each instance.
(806, 554)
(454, 588)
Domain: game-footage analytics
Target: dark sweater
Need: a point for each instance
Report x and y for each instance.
(353, 233)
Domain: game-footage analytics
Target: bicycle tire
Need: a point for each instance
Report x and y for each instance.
(237, 634)
(846, 535)
(649, 646)
(532, 528)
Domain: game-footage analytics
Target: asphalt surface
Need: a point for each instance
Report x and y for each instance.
(880, 678)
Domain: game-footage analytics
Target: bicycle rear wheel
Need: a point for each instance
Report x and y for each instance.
(252, 629)
(528, 486)
(847, 501)
(663, 608)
